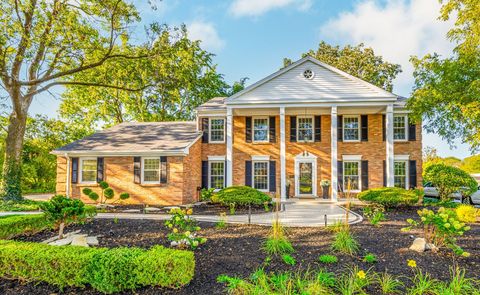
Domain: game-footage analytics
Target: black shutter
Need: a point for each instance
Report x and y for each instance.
(318, 128)
(248, 173)
(364, 119)
(225, 173)
(364, 175)
(412, 134)
(384, 127)
(340, 128)
(205, 130)
(293, 128)
(340, 175)
(384, 173)
(272, 183)
(100, 168)
(74, 170)
(204, 174)
(248, 129)
(412, 166)
(137, 169)
(163, 169)
(272, 129)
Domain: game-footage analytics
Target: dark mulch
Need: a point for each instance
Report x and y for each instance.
(236, 251)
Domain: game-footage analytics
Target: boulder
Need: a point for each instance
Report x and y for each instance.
(79, 240)
(62, 242)
(419, 245)
(92, 241)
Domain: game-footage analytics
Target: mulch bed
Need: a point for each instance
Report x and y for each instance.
(236, 251)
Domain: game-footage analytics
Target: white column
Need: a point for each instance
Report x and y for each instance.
(334, 138)
(283, 165)
(229, 146)
(67, 181)
(389, 146)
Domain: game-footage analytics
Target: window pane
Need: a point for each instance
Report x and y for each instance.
(151, 170)
(217, 175)
(151, 175)
(260, 129)
(217, 129)
(400, 174)
(305, 129)
(399, 125)
(351, 175)
(260, 175)
(350, 128)
(89, 170)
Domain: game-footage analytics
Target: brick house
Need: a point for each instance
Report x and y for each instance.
(305, 123)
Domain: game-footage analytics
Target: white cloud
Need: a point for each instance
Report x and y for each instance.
(395, 30)
(255, 8)
(207, 34)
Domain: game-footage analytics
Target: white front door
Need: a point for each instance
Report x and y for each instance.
(305, 175)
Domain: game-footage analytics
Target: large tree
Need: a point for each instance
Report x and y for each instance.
(179, 78)
(358, 61)
(447, 90)
(44, 43)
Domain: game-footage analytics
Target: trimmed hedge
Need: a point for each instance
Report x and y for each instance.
(390, 197)
(13, 225)
(106, 270)
(241, 196)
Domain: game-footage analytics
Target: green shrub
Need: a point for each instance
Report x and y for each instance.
(107, 193)
(288, 259)
(13, 225)
(15, 206)
(345, 242)
(184, 229)
(61, 211)
(206, 194)
(241, 196)
(124, 196)
(449, 179)
(370, 258)
(277, 242)
(106, 270)
(390, 197)
(374, 214)
(328, 259)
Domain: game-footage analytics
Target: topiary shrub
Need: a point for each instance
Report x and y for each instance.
(449, 179)
(107, 194)
(61, 211)
(390, 197)
(241, 196)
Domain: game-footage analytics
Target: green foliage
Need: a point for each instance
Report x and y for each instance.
(87, 191)
(441, 228)
(328, 259)
(13, 225)
(277, 242)
(390, 197)
(288, 259)
(107, 194)
(103, 185)
(124, 196)
(471, 164)
(222, 222)
(93, 196)
(389, 284)
(448, 180)
(439, 203)
(345, 242)
(370, 258)
(368, 66)
(106, 270)
(61, 211)
(374, 214)
(183, 229)
(354, 281)
(25, 205)
(458, 284)
(467, 213)
(206, 194)
(241, 196)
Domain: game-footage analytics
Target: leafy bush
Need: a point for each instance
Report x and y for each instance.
(206, 194)
(13, 225)
(374, 214)
(328, 259)
(344, 242)
(107, 270)
(183, 229)
(288, 259)
(441, 228)
(107, 194)
(449, 179)
(439, 203)
(390, 197)
(61, 211)
(467, 213)
(370, 258)
(14, 206)
(241, 196)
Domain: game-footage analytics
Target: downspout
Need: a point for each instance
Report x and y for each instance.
(67, 185)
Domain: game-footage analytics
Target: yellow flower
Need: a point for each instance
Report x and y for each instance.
(175, 230)
(187, 233)
(466, 254)
(189, 211)
(170, 225)
(412, 263)
(361, 274)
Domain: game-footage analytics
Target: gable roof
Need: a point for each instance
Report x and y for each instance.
(328, 84)
(145, 137)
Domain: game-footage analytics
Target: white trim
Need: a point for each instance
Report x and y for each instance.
(306, 158)
(229, 161)
(67, 183)
(401, 157)
(260, 158)
(313, 127)
(216, 158)
(268, 175)
(389, 146)
(210, 131)
(253, 129)
(143, 170)
(80, 174)
(334, 151)
(352, 157)
(210, 173)
(359, 162)
(283, 172)
(358, 117)
(406, 128)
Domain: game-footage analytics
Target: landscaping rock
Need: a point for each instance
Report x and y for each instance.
(104, 206)
(62, 242)
(92, 241)
(79, 240)
(152, 209)
(168, 208)
(53, 239)
(131, 211)
(419, 245)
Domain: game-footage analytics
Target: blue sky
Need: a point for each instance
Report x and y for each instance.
(250, 38)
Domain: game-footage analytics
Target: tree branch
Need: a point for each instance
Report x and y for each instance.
(22, 46)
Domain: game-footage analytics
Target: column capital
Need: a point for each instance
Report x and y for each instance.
(334, 109)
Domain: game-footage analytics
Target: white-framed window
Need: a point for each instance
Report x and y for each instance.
(88, 170)
(351, 173)
(400, 177)
(216, 130)
(260, 129)
(260, 175)
(216, 174)
(400, 127)
(351, 128)
(151, 170)
(305, 129)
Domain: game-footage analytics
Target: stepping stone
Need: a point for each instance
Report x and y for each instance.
(79, 240)
(187, 206)
(131, 211)
(152, 209)
(168, 208)
(53, 239)
(62, 242)
(92, 241)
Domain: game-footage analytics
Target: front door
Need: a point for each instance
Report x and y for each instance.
(305, 178)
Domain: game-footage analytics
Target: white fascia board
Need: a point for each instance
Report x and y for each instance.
(119, 153)
(401, 157)
(352, 157)
(212, 113)
(260, 158)
(216, 158)
(317, 104)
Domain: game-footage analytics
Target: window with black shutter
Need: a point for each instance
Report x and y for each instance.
(205, 130)
(364, 132)
(412, 166)
(340, 128)
(340, 175)
(272, 130)
(384, 173)
(384, 127)
(318, 128)
(364, 175)
(248, 173)
(293, 128)
(412, 132)
(248, 129)
(137, 169)
(204, 174)
(74, 172)
(272, 177)
(163, 169)
(100, 169)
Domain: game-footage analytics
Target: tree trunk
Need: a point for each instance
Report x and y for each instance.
(10, 188)
(60, 230)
